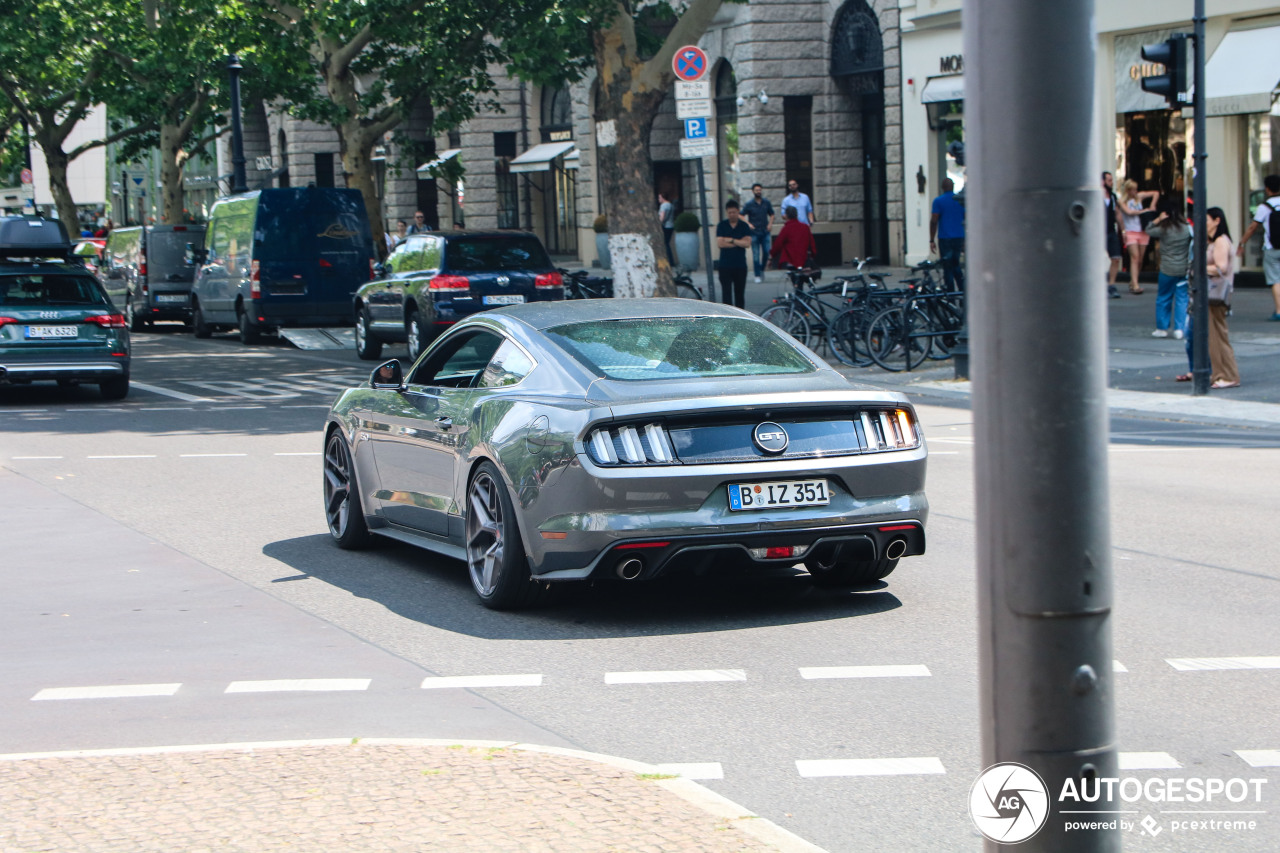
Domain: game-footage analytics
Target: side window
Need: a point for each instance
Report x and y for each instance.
(507, 367)
(414, 254)
(458, 361)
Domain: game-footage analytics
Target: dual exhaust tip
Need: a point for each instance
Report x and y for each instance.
(896, 548)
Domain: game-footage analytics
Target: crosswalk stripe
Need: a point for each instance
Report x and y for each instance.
(1260, 757)
(165, 392)
(466, 681)
(1204, 664)
(1148, 761)
(705, 770)
(869, 767)
(285, 685)
(911, 670)
(675, 676)
(109, 691)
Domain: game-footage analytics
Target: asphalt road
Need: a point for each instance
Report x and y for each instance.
(177, 538)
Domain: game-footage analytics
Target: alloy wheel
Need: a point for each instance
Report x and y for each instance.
(485, 534)
(337, 485)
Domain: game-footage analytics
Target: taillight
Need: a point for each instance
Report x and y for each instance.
(324, 265)
(630, 445)
(549, 280)
(450, 282)
(142, 263)
(371, 276)
(4, 321)
(255, 280)
(889, 429)
(107, 321)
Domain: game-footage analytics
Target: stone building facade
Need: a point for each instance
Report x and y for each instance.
(804, 90)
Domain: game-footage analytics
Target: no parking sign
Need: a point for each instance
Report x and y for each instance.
(689, 63)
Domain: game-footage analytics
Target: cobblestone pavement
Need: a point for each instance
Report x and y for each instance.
(363, 796)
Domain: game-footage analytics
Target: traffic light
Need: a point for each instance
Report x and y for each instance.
(1172, 54)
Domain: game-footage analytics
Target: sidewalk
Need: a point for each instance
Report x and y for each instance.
(359, 795)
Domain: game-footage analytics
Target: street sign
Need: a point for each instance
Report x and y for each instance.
(27, 176)
(695, 149)
(698, 89)
(137, 179)
(689, 63)
(699, 108)
(695, 128)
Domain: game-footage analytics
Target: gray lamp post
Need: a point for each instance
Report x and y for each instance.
(238, 182)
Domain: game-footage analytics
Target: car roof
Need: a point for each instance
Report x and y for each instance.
(544, 315)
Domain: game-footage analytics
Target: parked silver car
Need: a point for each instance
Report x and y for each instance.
(624, 439)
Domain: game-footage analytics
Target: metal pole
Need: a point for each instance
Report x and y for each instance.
(124, 196)
(1201, 368)
(239, 184)
(706, 229)
(1038, 349)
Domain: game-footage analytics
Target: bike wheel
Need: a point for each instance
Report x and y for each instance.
(789, 319)
(949, 319)
(848, 337)
(895, 340)
(687, 291)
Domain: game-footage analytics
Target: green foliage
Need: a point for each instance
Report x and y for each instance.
(687, 221)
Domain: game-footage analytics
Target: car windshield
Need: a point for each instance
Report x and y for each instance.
(36, 290)
(496, 254)
(679, 347)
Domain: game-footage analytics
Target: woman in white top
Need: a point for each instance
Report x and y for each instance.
(1130, 211)
(1221, 285)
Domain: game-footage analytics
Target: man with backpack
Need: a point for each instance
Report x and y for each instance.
(1268, 216)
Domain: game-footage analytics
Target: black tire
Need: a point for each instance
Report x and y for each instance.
(249, 333)
(368, 347)
(496, 562)
(848, 337)
(688, 291)
(116, 388)
(790, 319)
(135, 323)
(344, 516)
(841, 575)
(414, 335)
(885, 335)
(199, 327)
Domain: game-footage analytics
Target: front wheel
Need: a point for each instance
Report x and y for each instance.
(342, 508)
(848, 334)
(199, 327)
(413, 336)
(496, 561)
(790, 320)
(368, 348)
(249, 333)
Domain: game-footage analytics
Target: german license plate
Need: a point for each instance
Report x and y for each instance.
(52, 331)
(171, 297)
(511, 299)
(785, 493)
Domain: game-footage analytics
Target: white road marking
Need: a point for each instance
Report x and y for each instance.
(933, 440)
(869, 767)
(910, 670)
(167, 409)
(165, 392)
(301, 453)
(1148, 761)
(673, 676)
(944, 452)
(208, 455)
(309, 406)
(299, 684)
(1200, 664)
(137, 456)
(1116, 666)
(236, 408)
(705, 770)
(36, 457)
(466, 681)
(1260, 757)
(110, 691)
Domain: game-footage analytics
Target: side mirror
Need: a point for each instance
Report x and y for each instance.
(388, 376)
(380, 270)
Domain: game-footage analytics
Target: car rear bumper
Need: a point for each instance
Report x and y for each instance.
(93, 371)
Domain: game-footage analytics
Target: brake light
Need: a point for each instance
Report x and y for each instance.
(107, 321)
(324, 265)
(548, 280)
(892, 527)
(255, 280)
(142, 263)
(179, 228)
(4, 321)
(450, 282)
(630, 545)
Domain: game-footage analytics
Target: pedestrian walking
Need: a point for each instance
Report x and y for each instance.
(799, 202)
(1132, 206)
(1268, 216)
(419, 225)
(759, 215)
(795, 244)
(733, 236)
(667, 219)
(1171, 229)
(1113, 223)
(394, 239)
(1221, 286)
(946, 235)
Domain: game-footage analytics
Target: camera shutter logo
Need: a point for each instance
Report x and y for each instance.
(770, 437)
(1009, 803)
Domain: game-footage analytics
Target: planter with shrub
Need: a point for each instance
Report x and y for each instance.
(686, 239)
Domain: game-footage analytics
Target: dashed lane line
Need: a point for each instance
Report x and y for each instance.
(110, 691)
(16, 458)
(300, 453)
(165, 392)
(208, 455)
(125, 456)
(819, 768)
(1260, 757)
(1148, 761)
(1116, 666)
(702, 770)
(914, 670)
(307, 685)
(675, 676)
(468, 681)
(1205, 664)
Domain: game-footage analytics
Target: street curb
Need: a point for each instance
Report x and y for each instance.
(717, 805)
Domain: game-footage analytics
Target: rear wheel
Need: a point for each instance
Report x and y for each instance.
(496, 561)
(368, 348)
(687, 291)
(848, 335)
(342, 507)
(897, 339)
(136, 323)
(413, 335)
(199, 327)
(249, 333)
(114, 389)
(789, 319)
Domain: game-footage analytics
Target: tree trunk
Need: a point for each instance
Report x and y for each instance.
(57, 161)
(173, 157)
(356, 147)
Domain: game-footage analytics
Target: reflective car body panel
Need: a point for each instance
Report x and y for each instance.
(416, 447)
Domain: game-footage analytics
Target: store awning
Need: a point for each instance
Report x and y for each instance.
(573, 159)
(539, 157)
(444, 155)
(941, 89)
(1242, 75)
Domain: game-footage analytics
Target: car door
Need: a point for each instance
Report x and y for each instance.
(418, 449)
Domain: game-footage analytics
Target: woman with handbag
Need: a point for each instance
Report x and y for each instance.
(1221, 285)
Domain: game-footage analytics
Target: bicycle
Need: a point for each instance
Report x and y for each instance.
(865, 295)
(580, 284)
(901, 337)
(685, 288)
(803, 313)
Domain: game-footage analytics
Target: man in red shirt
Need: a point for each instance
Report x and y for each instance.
(794, 243)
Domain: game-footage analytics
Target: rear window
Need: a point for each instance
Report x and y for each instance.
(497, 254)
(167, 250)
(679, 348)
(32, 291)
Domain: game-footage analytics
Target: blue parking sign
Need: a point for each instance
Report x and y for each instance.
(695, 128)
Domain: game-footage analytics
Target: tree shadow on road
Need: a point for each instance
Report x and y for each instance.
(435, 591)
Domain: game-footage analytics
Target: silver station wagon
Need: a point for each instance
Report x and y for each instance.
(625, 439)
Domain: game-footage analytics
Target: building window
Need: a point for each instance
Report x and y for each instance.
(504, 149)
(324, 170)
(727, 134)
(797, 111)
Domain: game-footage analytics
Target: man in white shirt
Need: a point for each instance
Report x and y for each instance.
(1270, 239)
(800, 201)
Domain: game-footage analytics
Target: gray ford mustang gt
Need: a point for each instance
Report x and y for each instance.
(625, 439)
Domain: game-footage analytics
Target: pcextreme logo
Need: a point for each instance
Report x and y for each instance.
(1009, 803)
